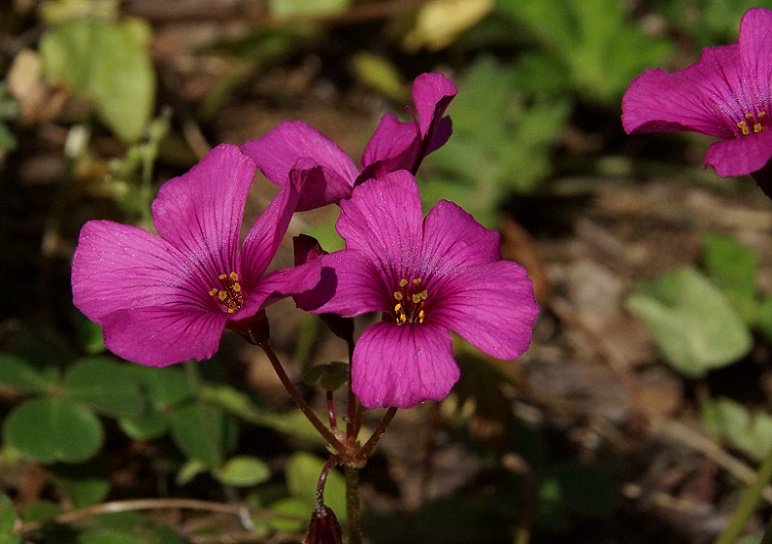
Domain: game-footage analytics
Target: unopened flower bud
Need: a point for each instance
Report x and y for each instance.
(323, 527)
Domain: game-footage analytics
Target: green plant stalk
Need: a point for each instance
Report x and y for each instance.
(351, 471)
(353, 510)
(749, 501)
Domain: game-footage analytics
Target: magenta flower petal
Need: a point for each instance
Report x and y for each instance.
(452, 238)
(726, 94)
(362, 286)
(740, 156)
(282, 283)
(426, 277)
(477, 304)
(392, 146)
(385, 221)
(658, 101)
(402, 366)
(396, 145)
(264, 237)
(329, 174)
(757, 47)
(278, 151)
(107, 250)
(202, 210)
(432, 93)
(163, 335)
(166, 299)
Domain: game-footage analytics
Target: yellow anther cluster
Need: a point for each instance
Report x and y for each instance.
(230, 296)
(753, 123)
(410, 303)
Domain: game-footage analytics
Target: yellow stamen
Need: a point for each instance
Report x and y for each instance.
(409, 307)
(753, 123)
(230, 295)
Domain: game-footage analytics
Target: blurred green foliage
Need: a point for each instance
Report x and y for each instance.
(704, 322)
(494, 151)
(108, 63)
(526, 71)
(707, 22)
(584, 46)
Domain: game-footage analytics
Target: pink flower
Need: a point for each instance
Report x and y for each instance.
(395, 145)
(726, 94)
(427, 277)
(167, 298)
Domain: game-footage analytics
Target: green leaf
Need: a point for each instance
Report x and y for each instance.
(750, 432)
(109, 64)
(148, 426)
(59, 11)
(203, 432)
(165, 386)
(380, 74)
(291, 508)
(7, 519)
(763, 318)
(302, 472)
(330, 376)
(105, 384)
(8, 141)
(306, 8)
(734, 268)
(19, 373)
(189, 470)
(113, 537)
(41, 511)
(243, 471)
(89, 334)
(292, 423)
(589, 38)
(84, 483)
(53, 429)
(693, 324)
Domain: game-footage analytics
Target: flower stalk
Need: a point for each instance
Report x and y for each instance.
(299, 401)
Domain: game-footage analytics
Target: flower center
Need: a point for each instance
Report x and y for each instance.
(753, 123)
(410, 302)
(230, 295)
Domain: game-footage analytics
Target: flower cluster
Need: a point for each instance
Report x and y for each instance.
(167, 298)
(726, 94)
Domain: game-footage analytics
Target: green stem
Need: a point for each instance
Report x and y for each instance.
(749, 501)
(299, 401)
(352, 505)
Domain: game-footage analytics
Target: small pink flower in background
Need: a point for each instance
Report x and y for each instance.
(427, 277)
(167, 298)
(727, 94)
(395, 145)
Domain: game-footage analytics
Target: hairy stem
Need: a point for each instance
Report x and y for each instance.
(367, 449)
(299, 401)
(352, 505)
